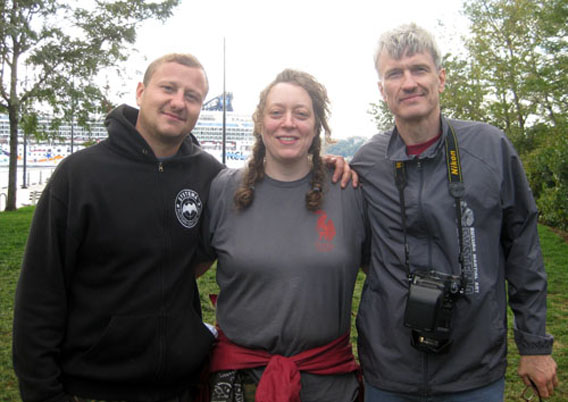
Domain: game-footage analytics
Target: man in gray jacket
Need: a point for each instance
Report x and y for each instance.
(453, 222)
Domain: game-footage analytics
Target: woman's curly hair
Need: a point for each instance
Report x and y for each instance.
(254, 172)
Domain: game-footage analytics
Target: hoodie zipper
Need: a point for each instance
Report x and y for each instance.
(162, 323)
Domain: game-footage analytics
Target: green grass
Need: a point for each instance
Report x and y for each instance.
(555, 252)
(14, 228)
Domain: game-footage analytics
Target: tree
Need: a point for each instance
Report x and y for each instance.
(62, 64)
(551, 77)
(547, 171)
(384, 119)
(464, 93)
(521, 48)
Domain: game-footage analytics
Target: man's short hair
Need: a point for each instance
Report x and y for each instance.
(407, 40)
(184, 59)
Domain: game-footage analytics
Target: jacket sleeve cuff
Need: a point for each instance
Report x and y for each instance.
(529, 344)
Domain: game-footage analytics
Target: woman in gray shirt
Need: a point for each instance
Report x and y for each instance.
(289, 245)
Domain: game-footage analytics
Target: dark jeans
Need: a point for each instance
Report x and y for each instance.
(184, 397)
(493, 392)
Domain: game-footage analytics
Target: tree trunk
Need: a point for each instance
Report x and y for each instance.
(13, 166)
(13, 115)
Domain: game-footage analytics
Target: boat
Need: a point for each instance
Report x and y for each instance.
(238, 131)
(208, 131)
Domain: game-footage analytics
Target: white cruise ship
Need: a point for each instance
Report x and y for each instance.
(208, 130)
(238, 131)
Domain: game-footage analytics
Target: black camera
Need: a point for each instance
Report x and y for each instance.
(431, 300)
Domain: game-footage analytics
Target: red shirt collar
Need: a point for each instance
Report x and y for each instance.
(417, 149)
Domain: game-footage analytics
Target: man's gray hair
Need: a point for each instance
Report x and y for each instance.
(407, 40)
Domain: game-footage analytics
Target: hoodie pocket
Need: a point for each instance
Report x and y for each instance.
(189, 343)
(129, 349)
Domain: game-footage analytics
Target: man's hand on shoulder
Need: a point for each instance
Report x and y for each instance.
(341, 170)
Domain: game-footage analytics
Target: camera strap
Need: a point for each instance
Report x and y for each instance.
(456, 189)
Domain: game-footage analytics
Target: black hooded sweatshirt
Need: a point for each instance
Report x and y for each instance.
(107, 305)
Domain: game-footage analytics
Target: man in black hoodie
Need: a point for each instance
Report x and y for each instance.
(107, 305)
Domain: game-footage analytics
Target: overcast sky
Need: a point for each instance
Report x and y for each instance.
(332, 40)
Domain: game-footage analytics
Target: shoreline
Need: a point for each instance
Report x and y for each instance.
(38, 175)
(36, 179)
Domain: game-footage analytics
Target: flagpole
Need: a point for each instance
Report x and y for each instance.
(224, 105)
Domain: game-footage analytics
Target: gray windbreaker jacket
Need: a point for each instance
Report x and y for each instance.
(501, 249)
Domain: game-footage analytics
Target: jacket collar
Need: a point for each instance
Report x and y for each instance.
(396, 149)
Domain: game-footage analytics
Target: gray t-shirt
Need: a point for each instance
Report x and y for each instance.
(286, 275)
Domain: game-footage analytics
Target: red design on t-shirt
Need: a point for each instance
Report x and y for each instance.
(326, 229)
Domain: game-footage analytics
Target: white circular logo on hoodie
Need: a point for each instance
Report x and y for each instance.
(188, 208)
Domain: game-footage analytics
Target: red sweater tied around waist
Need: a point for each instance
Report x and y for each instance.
(280, 381)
